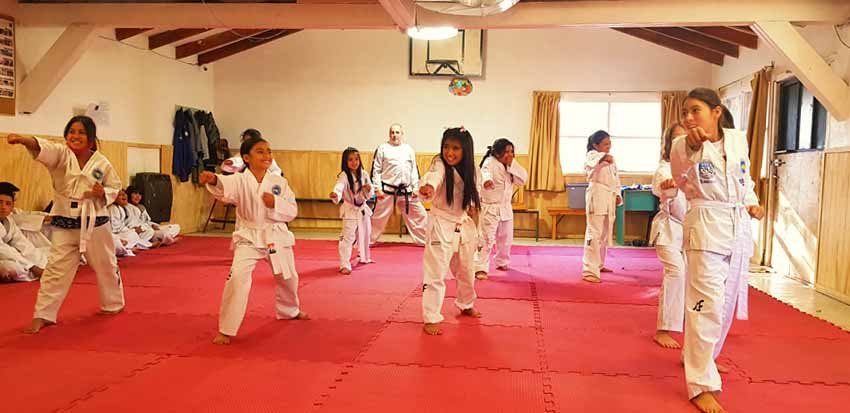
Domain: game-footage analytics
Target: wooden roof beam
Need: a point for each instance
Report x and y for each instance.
(214, 41)
(126, 33)
(680, 46)
(699, 39)
(171, 36)
(244, 44)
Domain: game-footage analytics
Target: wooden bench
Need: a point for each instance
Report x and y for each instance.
(557, 213)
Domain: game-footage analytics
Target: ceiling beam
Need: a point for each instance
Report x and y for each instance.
(65, 52)
(401, 11)
(680, 46)
(244, 44)
(124, 34)
(171, 36)
(646, 13)
(749, 40)
(827, 86)
(699, 39)
(210, 15)
(212, 42)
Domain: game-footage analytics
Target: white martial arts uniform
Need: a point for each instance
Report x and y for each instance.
(119, 217)
(356, 219)
(718, 244)
(261, 234)
(394, 172)
(496, 221)
(666, 234)
(17, 254)
(80, 226)
(32, 225)
(238, 165)
(452, 239)
(139, 217)
(601, 210)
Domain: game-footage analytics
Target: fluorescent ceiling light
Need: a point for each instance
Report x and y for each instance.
(432, 33)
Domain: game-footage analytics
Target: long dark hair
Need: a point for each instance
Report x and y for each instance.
(497, 149)
(359, 173)
(712, 100)
(596, 138)
(466, 168)
(88, 125)
(667, 140)
(246, 147)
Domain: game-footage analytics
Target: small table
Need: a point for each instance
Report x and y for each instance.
(635, 200)
(558, 213)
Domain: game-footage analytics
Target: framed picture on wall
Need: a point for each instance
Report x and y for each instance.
(7, 65)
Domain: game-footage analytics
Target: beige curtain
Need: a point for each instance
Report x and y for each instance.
(545, 173)
(671, 107)
(757, 128)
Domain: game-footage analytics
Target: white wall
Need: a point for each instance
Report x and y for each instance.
(140, 87)
(325, 90)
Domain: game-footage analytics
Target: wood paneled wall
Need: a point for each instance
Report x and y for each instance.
(833, 265)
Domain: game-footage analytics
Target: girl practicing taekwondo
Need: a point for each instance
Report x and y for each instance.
(353, 189)
(452, 184)
(602, 198)
(84, 183)
(667, 235)
(711, 165)
(264, 204)
(500, 172)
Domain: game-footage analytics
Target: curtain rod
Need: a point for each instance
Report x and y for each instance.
(744, 77)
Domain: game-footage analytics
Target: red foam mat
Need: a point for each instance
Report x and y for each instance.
(43, 381)
(621, 394)
(195, 384)
(803, 360)
(518, 313)
(414, 389)
(459, 346)
(639, 320)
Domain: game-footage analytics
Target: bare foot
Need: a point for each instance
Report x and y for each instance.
(502, 268)
(707, 403)
(221, 339)
(605, 269)
(591, 279)
(156, 244)
(722, 369)
(36, 325)
(344, 271)
(432, 329)
(664, 339)
(37, 271)
(301, 316)
(481, 275)
(111, 312)
(471, 312)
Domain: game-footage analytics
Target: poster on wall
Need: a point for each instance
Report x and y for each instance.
(7, 65)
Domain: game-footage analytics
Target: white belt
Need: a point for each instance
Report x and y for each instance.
(88, 215)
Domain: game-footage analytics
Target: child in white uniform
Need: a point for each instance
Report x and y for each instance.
(353, 189)
(500, 172)
(666, 234)
(20, 260)
(163, 234)
(84, 183)
(602, 198)
(711, 165)
(452, 184)
(264, 204)
(131, 237)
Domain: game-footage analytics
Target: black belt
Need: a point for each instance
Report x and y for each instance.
(400, 189)
(75, 223)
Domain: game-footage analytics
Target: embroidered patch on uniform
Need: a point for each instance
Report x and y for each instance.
(276, 190)
(698, 306)
(424, 286)
(742, 181)
(707, 174)
(435, 242)
(744, 166)
(97, 174)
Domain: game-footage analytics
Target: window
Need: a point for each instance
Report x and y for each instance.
(632, 119)
(802, 119)
(739, 106)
